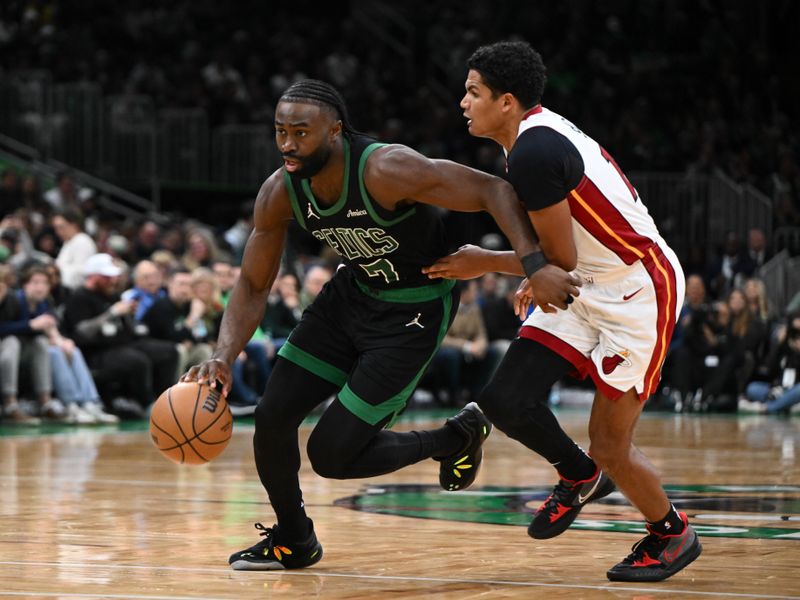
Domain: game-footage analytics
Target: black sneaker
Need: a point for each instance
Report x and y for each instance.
(272, 554)
(458, 471)
(563, 505)
(656, 557)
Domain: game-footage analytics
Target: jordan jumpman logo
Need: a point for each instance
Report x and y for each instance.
(415, 321)
(311, 213)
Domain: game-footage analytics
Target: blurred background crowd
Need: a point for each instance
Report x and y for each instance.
(106, 296)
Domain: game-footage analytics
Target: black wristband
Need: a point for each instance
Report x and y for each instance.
(533, 262)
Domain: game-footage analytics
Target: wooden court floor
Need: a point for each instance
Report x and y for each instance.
(97, 513)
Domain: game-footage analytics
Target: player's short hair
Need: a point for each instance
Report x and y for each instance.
(511, 67)
(320, 93)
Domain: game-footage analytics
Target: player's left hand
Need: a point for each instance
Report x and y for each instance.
(556, 289)
(523, 299)
(464, 263)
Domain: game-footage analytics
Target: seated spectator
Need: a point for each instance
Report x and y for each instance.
(679, 376)
(102, 325)
(283, 309)
(781, 390)
(58, 293)
(166, 262)
(207, 296)
(724, 269)
(225, 277)
(67, 194)
(47, 242)
(76, 249)
(694, 301)
(72, 381)
(31, 193)
(316, 277)
(172, 241)
(757, 251)
(147, 287)
(14, 236)
(254, 358)
(756, 294)
(236, 236)
(202, 250)
(464, 362)
(735, 345)
(10, 193)
(502, 323)
(175, 317)
(23, 349)
(147, 240)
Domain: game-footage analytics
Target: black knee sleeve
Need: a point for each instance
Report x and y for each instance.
(516, 400)
(337, 441)
(521, 383)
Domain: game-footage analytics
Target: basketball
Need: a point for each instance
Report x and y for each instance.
(191, 423)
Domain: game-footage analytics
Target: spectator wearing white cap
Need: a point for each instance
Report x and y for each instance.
(117, 350)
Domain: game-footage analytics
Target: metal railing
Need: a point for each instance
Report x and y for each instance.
(110, 196)
(781, 277)
(774, 275)
(127, 140)
(183, 145)
(698, 211)
(243, 155)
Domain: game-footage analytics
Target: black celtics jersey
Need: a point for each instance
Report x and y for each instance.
(385, 249)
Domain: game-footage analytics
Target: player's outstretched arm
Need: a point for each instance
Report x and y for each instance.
(397, 174)
(260, 264)
(471, 261)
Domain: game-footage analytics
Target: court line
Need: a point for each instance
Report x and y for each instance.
(532, 584)
(121, 596)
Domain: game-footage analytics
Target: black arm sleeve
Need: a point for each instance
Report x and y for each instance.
(543, 166)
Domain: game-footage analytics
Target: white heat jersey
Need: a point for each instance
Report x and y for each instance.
(619, 328)
(610, 224)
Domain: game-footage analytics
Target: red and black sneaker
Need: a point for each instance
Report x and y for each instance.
(568, 498)
(656, 557)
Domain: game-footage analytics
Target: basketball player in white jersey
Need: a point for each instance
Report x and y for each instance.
(590, 221)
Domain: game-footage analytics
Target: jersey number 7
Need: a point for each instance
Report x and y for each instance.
(614, 164)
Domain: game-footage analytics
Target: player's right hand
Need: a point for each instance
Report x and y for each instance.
(550, 287)
(212, 372)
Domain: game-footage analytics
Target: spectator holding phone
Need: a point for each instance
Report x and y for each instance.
(782, 390)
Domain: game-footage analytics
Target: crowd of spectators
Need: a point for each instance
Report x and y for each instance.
(635, 75)
(99, 314)
(674, 86)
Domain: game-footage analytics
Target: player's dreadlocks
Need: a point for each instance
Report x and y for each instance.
(323, 94)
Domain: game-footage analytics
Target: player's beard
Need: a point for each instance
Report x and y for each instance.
(311, 164)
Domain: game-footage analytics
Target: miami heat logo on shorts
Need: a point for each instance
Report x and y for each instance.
(614, 358)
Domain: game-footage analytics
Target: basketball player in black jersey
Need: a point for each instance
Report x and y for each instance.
(373, 329)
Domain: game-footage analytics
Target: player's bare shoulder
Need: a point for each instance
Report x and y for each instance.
(393, 172)
(272, 202)
(393, 159)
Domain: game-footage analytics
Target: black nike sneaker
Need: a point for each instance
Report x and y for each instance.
(458, 471)
(656, 557)
(563, 505)
(274, 554)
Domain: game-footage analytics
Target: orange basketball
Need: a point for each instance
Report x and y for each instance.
(191, 423)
